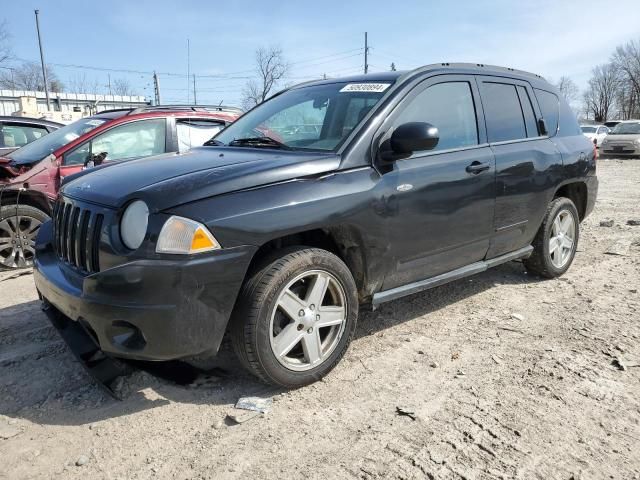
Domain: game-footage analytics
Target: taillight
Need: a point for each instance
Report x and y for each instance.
(595, 153)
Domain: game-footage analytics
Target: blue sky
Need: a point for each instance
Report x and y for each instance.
(552, 38)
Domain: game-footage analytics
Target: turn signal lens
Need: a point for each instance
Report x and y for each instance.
(183, 236)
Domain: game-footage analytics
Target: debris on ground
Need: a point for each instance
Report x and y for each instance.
(620, 247)
(619, 364)
(496, 359)
(405, 413)
(460, 374)
(82, 460)
(255, 404)
(238, 418)
(606, 223)
(517, 316)
(633, 222)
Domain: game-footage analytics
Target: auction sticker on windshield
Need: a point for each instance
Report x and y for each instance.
(365, 87)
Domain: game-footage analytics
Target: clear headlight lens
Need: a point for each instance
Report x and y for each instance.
(181, 235)
(133, 225)
(638, 141)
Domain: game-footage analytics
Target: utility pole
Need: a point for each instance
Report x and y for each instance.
(195, 101)
(188, 71)
(109, 82)
(366, 54)
(44, 69)
(156, 88)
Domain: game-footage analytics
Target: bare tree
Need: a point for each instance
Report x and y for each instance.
(28, 76)
(601, 95)
(626, 60)
(568, 89)
(270, 68)
(121, 86)
(79, 83)
(5, 42)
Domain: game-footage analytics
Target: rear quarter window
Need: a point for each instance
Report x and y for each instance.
(550, 107)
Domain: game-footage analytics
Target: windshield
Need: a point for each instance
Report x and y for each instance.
(626, 128)
(39, 149)
(588, 129)
(318, 117)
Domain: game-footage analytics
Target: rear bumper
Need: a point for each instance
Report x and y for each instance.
(622, 150)
(147, 309)
(592, 194)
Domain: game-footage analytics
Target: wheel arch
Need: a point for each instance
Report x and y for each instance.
(577, 192)
(344, 241)
(12, 196)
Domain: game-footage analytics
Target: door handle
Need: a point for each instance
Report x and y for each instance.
(477, 167)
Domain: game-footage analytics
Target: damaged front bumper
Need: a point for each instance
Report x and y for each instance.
(145, 309)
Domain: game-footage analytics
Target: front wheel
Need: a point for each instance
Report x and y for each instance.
(19, 227)
(554, 246)
(295, 317)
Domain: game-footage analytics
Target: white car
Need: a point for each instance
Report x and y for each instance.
(595, 133)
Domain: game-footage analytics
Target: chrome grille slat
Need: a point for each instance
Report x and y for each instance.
(76, 235)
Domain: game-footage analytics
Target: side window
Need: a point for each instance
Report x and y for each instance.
(527, 110)
(550, 107)
(502, 112)
(194, 132)
(135, 139)
(449, 107)
(20, 135)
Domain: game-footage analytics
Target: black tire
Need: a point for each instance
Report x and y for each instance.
(540, 261)
(19, 252)
(251, 328)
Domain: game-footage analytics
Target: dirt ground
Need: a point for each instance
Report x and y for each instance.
(507, 375)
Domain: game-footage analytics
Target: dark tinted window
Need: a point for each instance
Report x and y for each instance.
(502, 112)
(527, 111)
(449, 107)
(550, 108)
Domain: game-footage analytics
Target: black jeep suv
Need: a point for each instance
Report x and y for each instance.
(277, 235)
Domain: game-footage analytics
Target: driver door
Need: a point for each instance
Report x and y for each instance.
(443, 199)
(140, 138)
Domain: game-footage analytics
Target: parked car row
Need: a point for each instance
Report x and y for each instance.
(615, 137)
(31, 176)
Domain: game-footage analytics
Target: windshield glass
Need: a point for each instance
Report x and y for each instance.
(626, 128)
(588, 129)
(39, 149)
(318, 117)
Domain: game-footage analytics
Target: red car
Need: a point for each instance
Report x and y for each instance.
(30, 176)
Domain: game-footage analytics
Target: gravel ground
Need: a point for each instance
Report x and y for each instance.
(507, 376)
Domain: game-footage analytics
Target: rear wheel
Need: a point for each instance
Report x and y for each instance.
(18, 230)
(295, 317)
(554, 246)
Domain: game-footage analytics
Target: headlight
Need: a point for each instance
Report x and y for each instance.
(638, 141)
(133, 226)
(181, 235)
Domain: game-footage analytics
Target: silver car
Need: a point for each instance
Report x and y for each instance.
(624, 139)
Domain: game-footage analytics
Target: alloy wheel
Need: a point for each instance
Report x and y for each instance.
(17, 241)
(561, 241)
(308, 320)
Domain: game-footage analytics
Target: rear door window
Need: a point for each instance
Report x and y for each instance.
(194, 132)
(19, 135)
(527, 111)
(550, 107)
(503, 113)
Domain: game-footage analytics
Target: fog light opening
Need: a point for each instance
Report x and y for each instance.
(126, 336)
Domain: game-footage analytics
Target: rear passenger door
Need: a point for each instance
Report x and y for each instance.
(527, 162)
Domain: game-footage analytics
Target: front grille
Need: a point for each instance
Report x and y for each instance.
(76, 233)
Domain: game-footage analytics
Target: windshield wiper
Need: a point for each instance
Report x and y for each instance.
(258, 142)
(213, 143)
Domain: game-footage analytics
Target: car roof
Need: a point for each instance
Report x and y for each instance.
(30, 120)
(630, 121)
(470, 68)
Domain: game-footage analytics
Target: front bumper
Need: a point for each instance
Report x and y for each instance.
(146, 309)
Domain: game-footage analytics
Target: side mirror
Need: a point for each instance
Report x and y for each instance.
(414, 136)
(542, 127)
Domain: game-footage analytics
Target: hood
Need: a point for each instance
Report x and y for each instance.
(170, 180)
